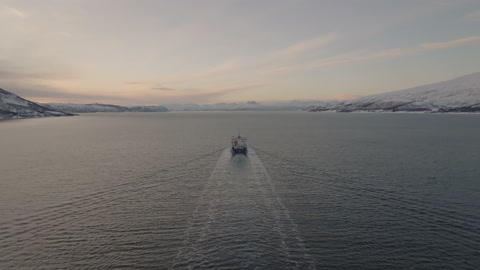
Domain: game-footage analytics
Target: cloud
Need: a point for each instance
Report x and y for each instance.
(329, 61)
(163, 89)
(49, 94)
(11, 70)
(228, 65)
(201, 96)
(306, 45)
(136, 82)
(474, 16)
(238, 65)
(213, 95)
(451, 43)
(23, 75)
(39, 91)
(384, 54)
(280, 70)
(27, 76)
(16, 12)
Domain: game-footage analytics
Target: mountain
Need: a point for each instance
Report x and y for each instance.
(147, 109)
(241, 106)
(457, 95)
(13, 106)
(97, 107)
(245, 106)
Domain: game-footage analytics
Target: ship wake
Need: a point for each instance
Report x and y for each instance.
(241, 222)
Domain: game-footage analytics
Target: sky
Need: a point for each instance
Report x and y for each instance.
(146, 52)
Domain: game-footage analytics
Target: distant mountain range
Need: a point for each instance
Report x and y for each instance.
(294, 105)
(13, 106)
(457, 95)
(97, 107)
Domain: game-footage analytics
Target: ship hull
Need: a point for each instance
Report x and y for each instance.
(239, 151)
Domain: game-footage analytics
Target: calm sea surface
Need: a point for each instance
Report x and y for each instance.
(317, 191)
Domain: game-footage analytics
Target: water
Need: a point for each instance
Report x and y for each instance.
(317, 191)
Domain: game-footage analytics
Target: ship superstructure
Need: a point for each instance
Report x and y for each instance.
(239, 145)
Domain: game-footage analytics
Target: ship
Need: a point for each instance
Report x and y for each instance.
(239, 145)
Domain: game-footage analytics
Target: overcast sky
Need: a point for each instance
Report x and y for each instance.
(203, 51)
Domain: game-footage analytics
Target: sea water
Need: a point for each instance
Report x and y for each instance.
(316, 191)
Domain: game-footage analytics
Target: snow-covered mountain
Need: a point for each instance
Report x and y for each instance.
(240, 106)
(97, 107)
(245, 106)
(13, 106)
(457, 95)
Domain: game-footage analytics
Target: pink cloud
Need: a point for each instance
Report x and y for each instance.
(384, 54)
(451, 43)
(306, 45)
(16, 12)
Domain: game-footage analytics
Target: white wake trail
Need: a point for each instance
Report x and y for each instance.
(240, 220)
(288, 231)
(189, 249)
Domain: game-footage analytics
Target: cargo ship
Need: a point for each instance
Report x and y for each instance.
(239, 145)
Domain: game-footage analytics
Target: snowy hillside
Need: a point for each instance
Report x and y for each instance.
(96, 107)
(457, 95)
(13, 106)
